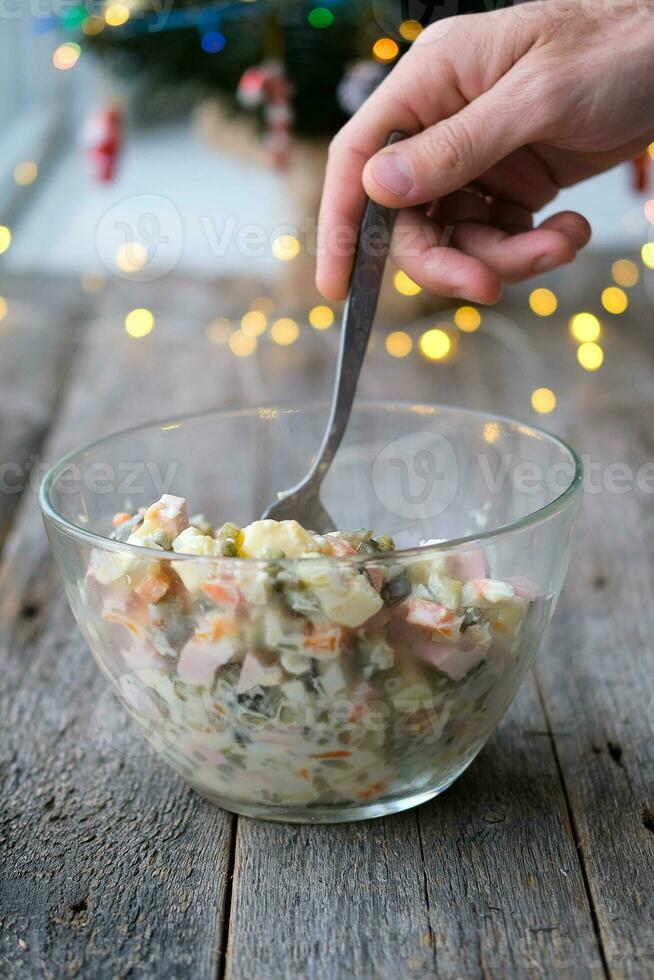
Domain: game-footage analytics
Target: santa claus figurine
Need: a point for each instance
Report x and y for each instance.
(102, 138)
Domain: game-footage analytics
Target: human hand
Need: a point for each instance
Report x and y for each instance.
(518, 103)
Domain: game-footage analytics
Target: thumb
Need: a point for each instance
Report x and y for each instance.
(452, 153)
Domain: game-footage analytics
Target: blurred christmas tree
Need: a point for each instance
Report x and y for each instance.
(187, 49)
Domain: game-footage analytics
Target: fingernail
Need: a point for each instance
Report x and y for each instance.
(578, 236)
(394, 172)
(545, 263)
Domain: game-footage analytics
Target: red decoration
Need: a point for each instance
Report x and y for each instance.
(641, 166)
(102, 138)
(266, 85)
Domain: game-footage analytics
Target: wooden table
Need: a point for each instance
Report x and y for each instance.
(538, 863)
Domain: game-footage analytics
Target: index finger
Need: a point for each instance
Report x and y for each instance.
(389, 108)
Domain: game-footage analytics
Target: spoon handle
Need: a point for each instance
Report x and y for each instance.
(372, 250)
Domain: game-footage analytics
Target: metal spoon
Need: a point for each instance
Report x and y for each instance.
(302, 502)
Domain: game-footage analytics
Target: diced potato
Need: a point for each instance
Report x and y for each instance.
(485, 592)
(287, 536)
(350, 602)
(445, 590)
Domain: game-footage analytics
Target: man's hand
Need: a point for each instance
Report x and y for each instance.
(504, 109)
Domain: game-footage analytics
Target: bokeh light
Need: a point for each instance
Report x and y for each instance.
(93, 282)
(139, 323)
(242, 345)
(614, 300)
(543, 302)
(284, 331)
(467, 318)
(254, 323)
(543, 400)
(625, 273)
(25, 172)
(399, 343)
(385, 49)
(647, 254)
(649, 210)
(116, 14)
(435, 344)
(4, 307)
(93, 25)
(491, 432)
(590, 356)
(320, 17)
(212, 42)
(286, 247)
(219, 330)
(66, 55)
(650, 150)
(5, 238)
(405, 285)
(410, 29)
(585, 327)
(321, 317)
(131, 256)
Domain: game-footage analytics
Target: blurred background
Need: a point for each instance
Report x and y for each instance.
(160, 172)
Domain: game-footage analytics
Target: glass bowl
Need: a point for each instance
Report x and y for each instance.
(348, 682)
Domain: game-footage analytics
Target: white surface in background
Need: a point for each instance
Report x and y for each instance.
(215, 195)
(212, 192)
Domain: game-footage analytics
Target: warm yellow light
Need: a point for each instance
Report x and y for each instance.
(131, 256)
(5, 238)
(219, 330)
(405, 285)
(66, 55)
(647, 254)
(614, 299)
(410, 29)
(92, 25)
(92, 282)
(625, 273)
(467, 318)
(116, 14)
(543, 302)
(263, 304)
(285, 248)
(543, 400)
(321, 317)
(4, 307)
(25, 172)
(139, 323)
(399, 344)
(491, 432)
(435, 344)
(284, 331)
(590, 356)
(650, 150)
(242, 345)
(585, 327)
(254, 323)
(385, 49)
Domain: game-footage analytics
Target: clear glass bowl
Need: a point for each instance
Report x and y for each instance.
(323, 688)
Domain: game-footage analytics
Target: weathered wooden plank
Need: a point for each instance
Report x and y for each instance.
(597, 674)
(111, 866)
(37, 338)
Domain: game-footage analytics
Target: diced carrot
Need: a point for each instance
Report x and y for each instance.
(430, 615)
(340, 547)
(335, 754)
(223, 591)
(153, 587)
(375, 790)
(324, 639)
(120, 518)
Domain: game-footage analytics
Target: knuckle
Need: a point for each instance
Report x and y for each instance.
(447, 146)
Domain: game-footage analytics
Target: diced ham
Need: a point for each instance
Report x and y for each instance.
(153, 586)
(199, 661)
(526, 588)
(339, 546)
(467, 565)
(376, 575)
(430, 615)
(222, 590)
(169, 513)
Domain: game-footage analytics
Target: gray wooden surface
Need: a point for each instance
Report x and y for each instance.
(538, 863)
